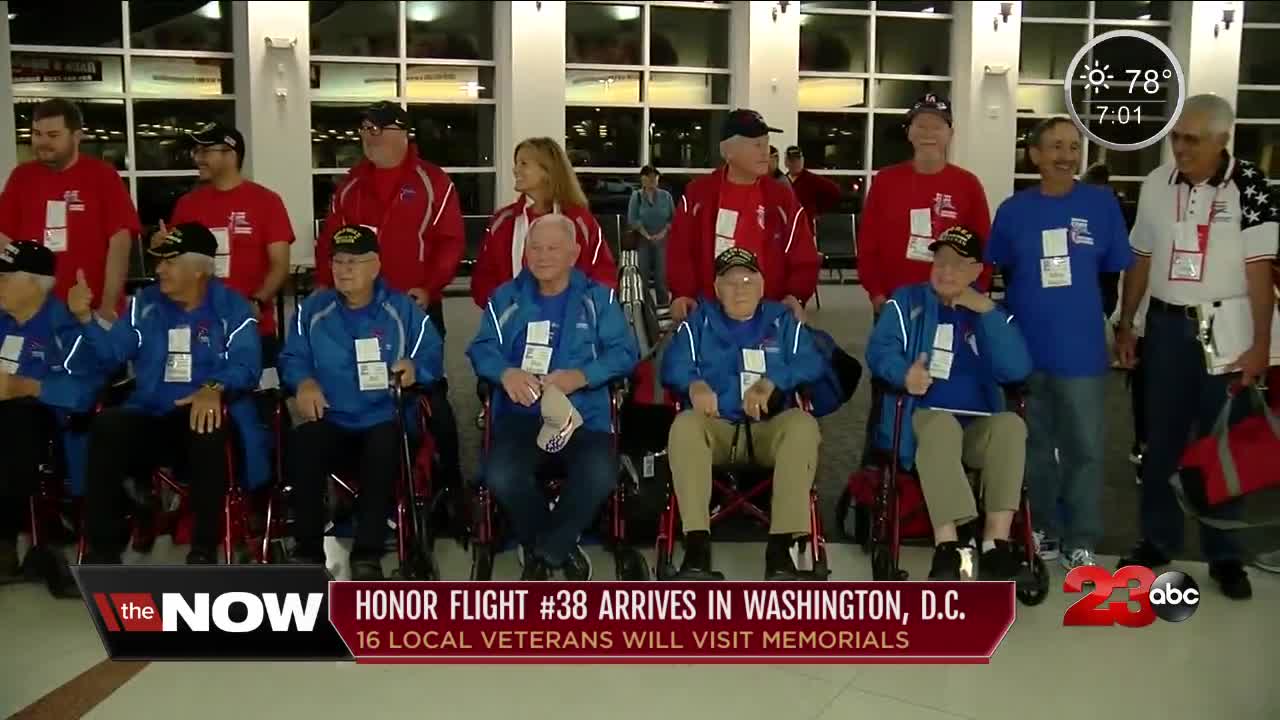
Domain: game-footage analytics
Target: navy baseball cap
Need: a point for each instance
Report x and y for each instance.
(962, 240)
(355, 240)
(216, 133)
(747, 123)
(186, 238)
(27, 256)
(931, 103)
(386, 114)
(736, 257)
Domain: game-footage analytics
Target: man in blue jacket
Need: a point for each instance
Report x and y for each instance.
(733, 360)
(551, 326)
(45, 375)
(195, 349)
(344, 348)
(951, 348)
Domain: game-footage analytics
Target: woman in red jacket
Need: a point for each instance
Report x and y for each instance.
(546, 183)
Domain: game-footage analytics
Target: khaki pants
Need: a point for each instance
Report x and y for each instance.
(788, 443)
(995, 445)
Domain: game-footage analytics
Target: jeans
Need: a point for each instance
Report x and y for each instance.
(26, 429)
(1066, 414)
(510, 473)
(653, 266)
(1184, 402)
(321, 448)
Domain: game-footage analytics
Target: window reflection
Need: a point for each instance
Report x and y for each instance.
(904, 93)
(689, 37)
(833, 141)
(605, 34)
(1261, 144)
(928, 6)
(683, 89)
(608, 195)
(341, 81)
(1047, 49)
(181, 76)
(1039, 8)
(1260, 57)
(821, 93)
(601, 86)
(913, 47)
(1132, 10)
(889, 141)
(603, 137)
(454, 135)
(64, 74)
(1258, 104)
(1253, 12)
(104, 129)
(1126, 162)
(833, 43)
(160, 125)
(44, 22)
(158, 195)
(475, 192)
(335, 140)
(444, 82)
(685, 138)
(355, 28)
(459, 30)
(166, 25)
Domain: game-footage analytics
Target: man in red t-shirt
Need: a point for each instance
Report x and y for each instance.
(818, 195)
(249, 222)
(73, 204)
(911, 203)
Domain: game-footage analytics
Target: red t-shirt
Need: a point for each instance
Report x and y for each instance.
(97, 206)
(254, 218)
(953, 196)
(748, 202)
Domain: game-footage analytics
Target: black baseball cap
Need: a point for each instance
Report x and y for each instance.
(736, 257)
(747, 123)
(931, 103)
(186, 238)
(27, 256)
(355, 240)
(386, 114)
(961, 239)
(794, 151)
(216, 133)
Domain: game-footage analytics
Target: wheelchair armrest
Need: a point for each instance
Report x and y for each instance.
(1015, 395)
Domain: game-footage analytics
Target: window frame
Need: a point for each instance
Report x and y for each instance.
(1241, 86)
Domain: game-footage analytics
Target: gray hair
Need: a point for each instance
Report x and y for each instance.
(199, 263)
(1218, 111)
(562, 221)
(44, 282)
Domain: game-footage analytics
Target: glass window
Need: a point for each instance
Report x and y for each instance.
(169, 25)
(1260, 57)
(335, 139)
(1258, 104)
(834, 5)
(67, 74)
(104, 129)
(928, 6)
(457, 30)
(322, 187)
(602, 86)
(1159, 33)
(475, 192)
(180, 77)
(674, 182)
(834, 141)
(1253, 12)
(1047, 49)
(1040, 8)
(685, 138)
(1261, 144)
(833, 43)
(913, 47)
(97, 24)
(368, 81)
(603, 137)
(1135, 162)
(1113, 9)
(1022, 157)
(608, 196)
(688, 89)
(689, 37)
(159, 127)
(904, 93)
(157, 196)
(454, 135)
(889, 143)
(823, 93)
(355, 28)
(603, 34)
(446, 82)
(1046, 99)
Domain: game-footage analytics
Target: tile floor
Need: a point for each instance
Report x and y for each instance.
(1223, 663)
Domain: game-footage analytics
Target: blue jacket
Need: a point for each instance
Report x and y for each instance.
(705, 349)
(906, 328)
(54, 352)
(225, 348)
(322, 346)
(595, 339)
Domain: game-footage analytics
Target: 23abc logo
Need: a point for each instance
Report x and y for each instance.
(1173, 596)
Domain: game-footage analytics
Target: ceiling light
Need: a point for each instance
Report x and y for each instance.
(211, 10)
(423, 12)
(623, 13)
(13, 16)
(928, 9)
(1145, 17)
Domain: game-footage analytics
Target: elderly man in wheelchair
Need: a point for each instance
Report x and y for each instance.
(344, 348)
(736, 361)
(45, 376)
(554, 340)
(196, 357)
(951, 348)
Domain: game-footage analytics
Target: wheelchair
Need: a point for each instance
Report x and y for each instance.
(487, 525)
(736, 489)
(883, 525)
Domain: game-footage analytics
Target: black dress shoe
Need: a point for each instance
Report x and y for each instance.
(778, 565)
(1232, 579)
(202, 556)
(998, 563)
(1145, 554)
(946, 562)
(696, 564)
(367, 570)
(535, 568)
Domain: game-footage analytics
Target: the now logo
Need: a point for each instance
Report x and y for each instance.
(231, 612)
(1173, 597)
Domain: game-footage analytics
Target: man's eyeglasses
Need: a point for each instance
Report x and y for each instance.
(206, 149)
(375, 131)
(954, 263)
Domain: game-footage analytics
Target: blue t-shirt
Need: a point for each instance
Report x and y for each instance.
(1063, 326)
(550, 308)
(963, 389)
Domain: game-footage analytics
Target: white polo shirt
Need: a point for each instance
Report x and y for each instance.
(1236, 205)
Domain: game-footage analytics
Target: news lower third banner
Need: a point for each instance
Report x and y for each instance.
(284, 612)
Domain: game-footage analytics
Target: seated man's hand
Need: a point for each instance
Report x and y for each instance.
(796, 308)
(80, 299)
(419, 297)
(569, 381)
(681, 307)
(918, 381)
(975, 301)
(311, 400)
(206, 409)
(704, 399)
(404, 366)
(756, 402)
(521, 387)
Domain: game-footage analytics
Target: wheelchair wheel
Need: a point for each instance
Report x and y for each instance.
(882, 565)
(481, 561)
(854, 520)
(421, 564)
(1036, 588)
(631, 565)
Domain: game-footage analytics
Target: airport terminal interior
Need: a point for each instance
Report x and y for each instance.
(623, 85)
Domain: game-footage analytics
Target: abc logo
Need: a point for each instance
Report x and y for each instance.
(1174, 596)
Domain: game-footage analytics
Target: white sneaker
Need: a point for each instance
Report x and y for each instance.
(1046, 548)
(1077, 558)
(1269, 562)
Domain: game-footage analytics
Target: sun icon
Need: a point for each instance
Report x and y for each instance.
(1097, 77)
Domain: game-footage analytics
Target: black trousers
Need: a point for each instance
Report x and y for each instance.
(1137, 390)
(443, 423)
(26, 429)
(125, 442)
(320, 449)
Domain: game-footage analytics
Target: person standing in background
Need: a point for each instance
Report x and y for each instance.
(775, 171)
(817, 194)
(650, 212)
(73, 204)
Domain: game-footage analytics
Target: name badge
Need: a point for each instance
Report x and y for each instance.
(177, 367)
(753, 360)
(726, 222)
(1187, 237)
(944, 336)
(222, 266)
(918, 248)
(922, 222)
(55, 214)
(55, 239)
(367, 350)
(538, 333)
(746, 380)
(940, 364)
(180, 339)
(224, 240)
(1054, 242)
(537, 359)
(1055, 272)
(722, 244)
(373, 376)
(1186, 266)
(12, 347)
